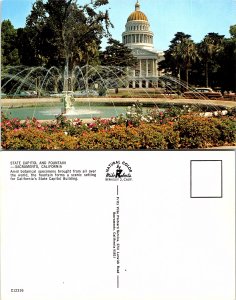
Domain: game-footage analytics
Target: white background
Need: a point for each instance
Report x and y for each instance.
(57, 236)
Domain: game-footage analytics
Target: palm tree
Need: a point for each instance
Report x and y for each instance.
(209, 48)
(185, 54)
(189, 55)
(177, 57)
(175, 52)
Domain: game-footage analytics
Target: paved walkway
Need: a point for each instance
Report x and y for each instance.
(125, 101)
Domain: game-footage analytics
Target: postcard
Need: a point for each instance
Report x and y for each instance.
(115, 225)
(117, 176)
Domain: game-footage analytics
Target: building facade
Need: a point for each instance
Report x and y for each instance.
(139, 37)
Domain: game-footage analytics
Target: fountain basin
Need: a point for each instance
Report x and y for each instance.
(49, 108)
(50, 112)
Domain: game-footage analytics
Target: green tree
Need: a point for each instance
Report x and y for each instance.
(30, 38)
(9, 54)
(28, 54)
(188, 55)
(172, 62)
(180, 56)
(117, 54)
(60, 31)
(119, 59)
(227, 62)
(209, 50)
(232, 31)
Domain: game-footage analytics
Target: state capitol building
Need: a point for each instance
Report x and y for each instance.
(139, 37)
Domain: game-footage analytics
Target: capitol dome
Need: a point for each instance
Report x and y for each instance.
(137, 30)
(137, 15)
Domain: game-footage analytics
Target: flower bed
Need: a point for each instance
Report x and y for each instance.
(156, 130)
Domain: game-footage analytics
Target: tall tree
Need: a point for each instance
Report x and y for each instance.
(172, 62)
(180, 56)
(209, 50)
(60, 31)
(188, 55)
(9, 54)
(227, 62)
(117, 54)
(119, 59)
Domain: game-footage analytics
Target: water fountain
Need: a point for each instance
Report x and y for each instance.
(67, 99)
(81, 92)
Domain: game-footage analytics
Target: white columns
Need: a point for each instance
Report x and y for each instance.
(140, 68)
(146, 67)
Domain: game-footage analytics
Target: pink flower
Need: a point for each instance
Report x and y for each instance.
(92, 125)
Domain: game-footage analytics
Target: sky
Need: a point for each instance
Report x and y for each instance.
(166, 17)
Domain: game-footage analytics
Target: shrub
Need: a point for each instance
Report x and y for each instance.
(227, 128)
(146, 136)
(35, 139)
(197, 132)
(119, 137)
(172, 136)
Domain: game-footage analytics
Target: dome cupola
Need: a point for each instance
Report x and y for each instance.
(137, 15)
